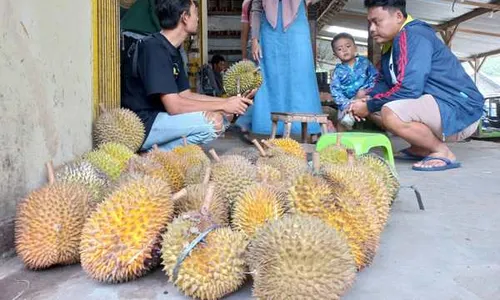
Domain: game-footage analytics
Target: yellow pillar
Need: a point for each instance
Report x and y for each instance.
(106, 54)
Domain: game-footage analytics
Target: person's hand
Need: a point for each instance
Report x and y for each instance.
(256, 50)
(359, 110)
(236, 105)
(249, 94)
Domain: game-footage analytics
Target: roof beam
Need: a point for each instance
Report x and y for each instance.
(491, 6)
(472, 31)
(466, 17)
(485, 54)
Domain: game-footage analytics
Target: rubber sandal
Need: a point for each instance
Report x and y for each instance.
(407, 155)
(449, 165)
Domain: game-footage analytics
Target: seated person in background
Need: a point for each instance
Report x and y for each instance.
(157, 88)
(212, 83)
(424, 94)
(351, 78)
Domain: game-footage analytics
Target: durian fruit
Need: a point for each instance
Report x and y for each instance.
(82, 172)
(118, 151)
(384, 170)
(119, 125)
(259, 205)
(172, 167)
(356, 214)
(334, 154)
(251, 154)
(142, 166)
(289, 146)
(268, 174)
(214, 267)
(121, 239)
(192, 156)
(106, 163)
(289, 166)
(233, 174)
(248, 74)
(300, 257)
(192, 198)
(49, 223)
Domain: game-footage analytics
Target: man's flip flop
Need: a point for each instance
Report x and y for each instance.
(449, 164)
(407, 155)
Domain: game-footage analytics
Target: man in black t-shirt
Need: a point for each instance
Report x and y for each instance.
(158, 92)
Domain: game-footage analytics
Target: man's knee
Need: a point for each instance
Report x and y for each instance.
(390, 120)
(217, 121)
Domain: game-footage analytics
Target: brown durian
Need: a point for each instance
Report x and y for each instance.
(172, 167)
(49, 223)
(300, 257)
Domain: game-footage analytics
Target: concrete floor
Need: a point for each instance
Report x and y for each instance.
(450, 251)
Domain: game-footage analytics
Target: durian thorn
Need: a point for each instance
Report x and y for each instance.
(179, 195)
(256, 70)
(316, 162)
(208, 199)
(214, 155)
(50, 172)
(102, 108)
(259, 147)
(206, 179)
(185, 141)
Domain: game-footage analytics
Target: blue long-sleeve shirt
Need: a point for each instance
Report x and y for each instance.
(423, 64)
(347, 81)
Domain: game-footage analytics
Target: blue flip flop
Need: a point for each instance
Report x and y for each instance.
(449, 165)
(407, 155)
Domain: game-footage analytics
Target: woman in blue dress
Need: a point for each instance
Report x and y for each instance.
(281, 43)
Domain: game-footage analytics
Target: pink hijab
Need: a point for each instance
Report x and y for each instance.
(290, 9)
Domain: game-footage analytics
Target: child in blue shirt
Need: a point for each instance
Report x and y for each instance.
(352, 78)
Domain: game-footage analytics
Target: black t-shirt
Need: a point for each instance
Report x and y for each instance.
(160, 70)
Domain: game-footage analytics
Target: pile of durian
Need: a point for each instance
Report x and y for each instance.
(298, 229)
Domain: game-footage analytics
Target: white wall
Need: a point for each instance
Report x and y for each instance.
(45, 94)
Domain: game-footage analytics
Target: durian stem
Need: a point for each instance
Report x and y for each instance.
(259, 147)
(179, 195)
(102, 108)
(208, 199)
(50, 172)
(155, 147)
(268, 145)
(339, 139)
(316, 162)
(214, 155)
(185, 140)
(351, 158)
(206, 179)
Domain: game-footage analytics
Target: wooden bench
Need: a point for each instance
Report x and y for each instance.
(304, 119)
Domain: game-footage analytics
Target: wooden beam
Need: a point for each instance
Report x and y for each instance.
(472, 31)
(486, 54)
(491, 6)
(466, 17)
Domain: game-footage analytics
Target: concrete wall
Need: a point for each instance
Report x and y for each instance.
(45, 95)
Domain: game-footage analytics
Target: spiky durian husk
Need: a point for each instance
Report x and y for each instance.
(384, 170)
(356, 215)
(214, 268)
(196, 173)
(300, 257)
(289, 166)
(289, 146)
(259, 205)
(49, 223)
(172, 168)
(188, 150)
(195, 198)
(250, 77)
(252, 154)
(121, 239)
(105, 163)
(233, 175)
(118, 151)
(333, 154)
(140, 166)
(119, 125)
(85, 173)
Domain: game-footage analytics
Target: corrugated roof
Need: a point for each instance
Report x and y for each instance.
(470, 39)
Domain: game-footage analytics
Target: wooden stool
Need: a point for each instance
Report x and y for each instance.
(288, 118)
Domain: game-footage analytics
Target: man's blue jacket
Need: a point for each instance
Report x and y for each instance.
(423, 64)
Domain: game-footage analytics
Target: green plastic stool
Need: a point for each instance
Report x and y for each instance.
(360, 142)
